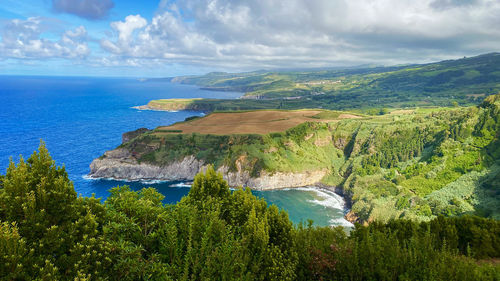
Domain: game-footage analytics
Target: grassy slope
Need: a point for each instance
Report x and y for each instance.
(465, 82)
(414, 165)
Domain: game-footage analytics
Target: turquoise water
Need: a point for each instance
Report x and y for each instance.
(324, 207)
(80, 118)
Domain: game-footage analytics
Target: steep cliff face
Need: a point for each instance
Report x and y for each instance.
(152, 154)
(119, 164)
(268, 181)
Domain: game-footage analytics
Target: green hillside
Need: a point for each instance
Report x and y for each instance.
(410, 163)
(447, 83)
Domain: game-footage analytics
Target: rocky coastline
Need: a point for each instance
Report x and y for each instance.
(121, 165)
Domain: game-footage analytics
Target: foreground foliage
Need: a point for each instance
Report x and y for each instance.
(47, 232)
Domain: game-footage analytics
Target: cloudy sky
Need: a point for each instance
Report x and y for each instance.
(165, 38)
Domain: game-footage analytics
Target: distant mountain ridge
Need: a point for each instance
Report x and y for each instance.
(463, 81)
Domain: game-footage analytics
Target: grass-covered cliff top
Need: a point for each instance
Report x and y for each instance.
(210, 105)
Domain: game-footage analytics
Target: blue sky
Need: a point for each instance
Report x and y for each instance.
(164, 38)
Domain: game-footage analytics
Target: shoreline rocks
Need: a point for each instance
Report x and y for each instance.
(119, 164)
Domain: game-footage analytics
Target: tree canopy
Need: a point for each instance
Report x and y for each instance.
(47, 232)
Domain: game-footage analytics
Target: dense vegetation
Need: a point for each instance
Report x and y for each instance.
(447, 83)
(47, 232)
(417, 164)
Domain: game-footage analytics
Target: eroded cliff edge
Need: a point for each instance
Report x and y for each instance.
(259, 161)
(120, 164)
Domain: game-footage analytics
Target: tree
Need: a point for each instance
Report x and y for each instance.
(13, 253)
(56, 227)
(208, 185)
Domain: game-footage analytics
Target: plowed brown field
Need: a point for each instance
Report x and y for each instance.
(252, 122)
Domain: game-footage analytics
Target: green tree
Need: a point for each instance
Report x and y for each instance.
(13, 253)
(216, 234)
(57, 228)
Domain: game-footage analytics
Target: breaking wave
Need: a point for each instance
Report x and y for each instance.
(331, 200)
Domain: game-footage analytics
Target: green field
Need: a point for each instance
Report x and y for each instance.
(447, 83)
(253, 122)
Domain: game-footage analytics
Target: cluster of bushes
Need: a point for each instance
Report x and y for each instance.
(47, 232)
(401, 146)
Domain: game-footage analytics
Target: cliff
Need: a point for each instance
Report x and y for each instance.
(239, 145)
(403, 164)
(120, 164)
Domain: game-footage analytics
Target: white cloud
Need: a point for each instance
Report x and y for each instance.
(125, 31)
(243, 34)
(307, 33)
(127, 27)
(22, 39)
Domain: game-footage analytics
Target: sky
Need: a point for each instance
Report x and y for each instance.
(147, 38)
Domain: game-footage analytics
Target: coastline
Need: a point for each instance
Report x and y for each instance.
(123, 164)
(119, 165)
(147, 107)
(326, 197)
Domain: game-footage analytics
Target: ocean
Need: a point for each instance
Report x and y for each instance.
(79, 118)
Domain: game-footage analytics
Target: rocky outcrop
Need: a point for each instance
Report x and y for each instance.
(340, 143)
(351, 217)
(120, 164)
(267, 181)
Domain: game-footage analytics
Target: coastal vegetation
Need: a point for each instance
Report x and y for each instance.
(414, 164)
(47, 232)
(463, 82)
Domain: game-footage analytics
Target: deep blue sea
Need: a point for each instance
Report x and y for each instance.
(79, 118)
